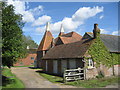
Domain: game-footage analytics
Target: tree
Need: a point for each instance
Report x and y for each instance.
(29, 42)
(12, 43)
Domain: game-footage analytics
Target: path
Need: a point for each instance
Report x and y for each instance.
(31, 79)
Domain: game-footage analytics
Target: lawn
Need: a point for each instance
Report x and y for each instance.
(9, 80)
(51, 78)
(93, 83)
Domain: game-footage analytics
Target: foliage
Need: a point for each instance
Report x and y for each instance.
(115, 57)
(29, 42)
(12, 45)
(9, 80)
(100, 75)
(99, 53)
(0, 26)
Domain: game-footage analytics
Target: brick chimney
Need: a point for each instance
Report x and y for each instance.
(96, 31)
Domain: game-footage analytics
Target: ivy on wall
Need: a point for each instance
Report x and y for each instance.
(101, 55)
(115, 57)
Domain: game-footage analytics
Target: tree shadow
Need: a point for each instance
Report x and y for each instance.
(6, 80)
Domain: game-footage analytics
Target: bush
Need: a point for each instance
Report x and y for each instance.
(100, 75)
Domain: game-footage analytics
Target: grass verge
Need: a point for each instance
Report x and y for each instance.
(9, 80)
(51, 78)
(25, 66)
(93, 83)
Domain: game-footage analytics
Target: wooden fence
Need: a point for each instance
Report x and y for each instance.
(73, 74)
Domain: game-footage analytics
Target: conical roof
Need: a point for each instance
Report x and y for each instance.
(46, 41)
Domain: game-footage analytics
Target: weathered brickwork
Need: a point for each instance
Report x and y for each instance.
(29, 60)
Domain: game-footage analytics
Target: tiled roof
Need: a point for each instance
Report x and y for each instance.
(46, 41)
(69, 38)
(78, 49)
(61, 33)
(112, 42)
(71, 50)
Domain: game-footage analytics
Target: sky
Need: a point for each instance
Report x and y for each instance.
(74, 16)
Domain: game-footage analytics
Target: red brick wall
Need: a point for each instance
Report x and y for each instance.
(26, 61)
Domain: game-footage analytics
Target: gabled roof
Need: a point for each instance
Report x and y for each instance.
(46, 41)
(68, 38)
(71, 50)
(110, 41)
(78, 49)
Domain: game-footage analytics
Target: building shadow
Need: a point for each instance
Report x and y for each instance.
(33, 67)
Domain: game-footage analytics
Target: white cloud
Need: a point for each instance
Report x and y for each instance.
(69, 23)
(19, 6)
(116, 32)
(27, 5)
(20, 9)
(37, 10)
(77, 19)
(40, 29)
(28, 15)
(86, 12)
(101, 16)
(41, 20)
(103, 31)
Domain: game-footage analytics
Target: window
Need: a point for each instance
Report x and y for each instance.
(90, 63)
(32, 63)
(21, 63)
(32, 58)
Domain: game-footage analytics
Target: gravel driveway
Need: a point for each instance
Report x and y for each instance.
(31, 79)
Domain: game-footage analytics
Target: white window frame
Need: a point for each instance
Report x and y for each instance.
(90, 63)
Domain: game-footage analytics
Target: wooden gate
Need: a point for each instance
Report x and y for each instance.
(73, 74)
